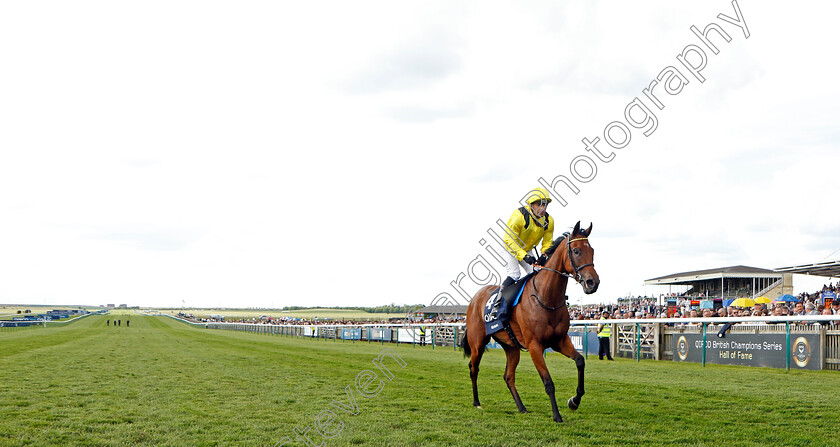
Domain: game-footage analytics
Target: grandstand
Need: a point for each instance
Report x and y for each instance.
(729, 282)
(830, 269)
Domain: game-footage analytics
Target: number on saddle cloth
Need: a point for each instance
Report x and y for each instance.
(498, 308)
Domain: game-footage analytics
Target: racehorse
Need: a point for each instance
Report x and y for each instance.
(540, 320)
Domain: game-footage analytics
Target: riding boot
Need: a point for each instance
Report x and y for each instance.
(507, 283)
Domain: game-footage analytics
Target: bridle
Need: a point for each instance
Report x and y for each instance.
(576, 276)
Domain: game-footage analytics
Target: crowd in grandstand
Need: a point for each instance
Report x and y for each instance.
(809, 304)
(634, 308)
(314, 322)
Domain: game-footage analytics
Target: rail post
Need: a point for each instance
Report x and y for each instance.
(787, 345)
(455, 338)
(585, 341)
(704, 344)
(638, 342)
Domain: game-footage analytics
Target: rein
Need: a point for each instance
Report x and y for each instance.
(576, 276)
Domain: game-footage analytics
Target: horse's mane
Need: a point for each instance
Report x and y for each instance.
(556, 243)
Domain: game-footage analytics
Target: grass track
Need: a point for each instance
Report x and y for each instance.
(161, 382)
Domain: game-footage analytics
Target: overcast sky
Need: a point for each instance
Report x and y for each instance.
(263, 154)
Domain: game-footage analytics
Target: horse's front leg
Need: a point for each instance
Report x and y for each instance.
(568, 349)
(536, 351)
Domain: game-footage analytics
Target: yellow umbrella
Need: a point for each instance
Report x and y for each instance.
(743, 302)
(762, 300)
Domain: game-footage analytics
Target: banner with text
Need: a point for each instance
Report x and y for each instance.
(750, 350)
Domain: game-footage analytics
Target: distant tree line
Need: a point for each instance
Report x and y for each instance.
(388, 308)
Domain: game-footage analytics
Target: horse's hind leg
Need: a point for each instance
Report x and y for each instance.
(476, 351)
(510, 371)
(568, 349)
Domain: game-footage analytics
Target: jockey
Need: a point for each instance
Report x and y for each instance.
(525, 228)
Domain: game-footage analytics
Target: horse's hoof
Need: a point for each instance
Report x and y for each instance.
(478, 406)
(558, 419)
(572, 405)
(524, 411)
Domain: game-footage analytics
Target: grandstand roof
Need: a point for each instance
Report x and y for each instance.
(735, 271)
(455, 309)
(829, 269)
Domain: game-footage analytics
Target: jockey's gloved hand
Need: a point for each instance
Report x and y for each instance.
(528, 259)
(543, 259)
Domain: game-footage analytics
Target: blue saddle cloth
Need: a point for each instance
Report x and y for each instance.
(497, 310)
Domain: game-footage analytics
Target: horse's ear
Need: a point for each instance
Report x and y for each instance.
(589, 230)
(577, 228)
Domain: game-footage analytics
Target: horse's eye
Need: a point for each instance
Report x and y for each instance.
(577, 252)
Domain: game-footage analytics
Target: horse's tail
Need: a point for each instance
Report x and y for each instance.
(465, 345)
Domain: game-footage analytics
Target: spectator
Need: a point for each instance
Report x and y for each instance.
(826, 312)
(604, 332)
(722, 313)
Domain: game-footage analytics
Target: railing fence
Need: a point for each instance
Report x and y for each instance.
(653, 339)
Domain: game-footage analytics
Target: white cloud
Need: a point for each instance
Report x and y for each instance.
(355, 153)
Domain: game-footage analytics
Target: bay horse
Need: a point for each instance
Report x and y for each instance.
(540, 320)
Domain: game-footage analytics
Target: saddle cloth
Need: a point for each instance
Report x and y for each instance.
(498, 308)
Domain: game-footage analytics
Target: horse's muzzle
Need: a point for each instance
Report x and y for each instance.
(590, 284)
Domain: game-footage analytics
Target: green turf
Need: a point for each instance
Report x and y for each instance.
(162, 382)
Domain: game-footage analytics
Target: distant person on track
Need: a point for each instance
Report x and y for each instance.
(527, 226)
(119, 322)
(107, 322)
(127, 323)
